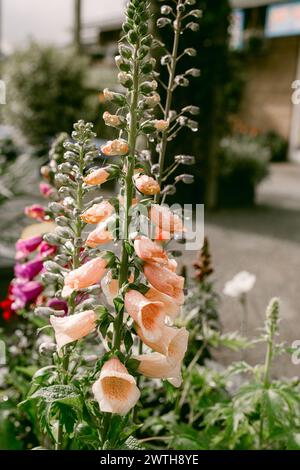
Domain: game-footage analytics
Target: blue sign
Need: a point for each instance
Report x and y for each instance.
(283, 20)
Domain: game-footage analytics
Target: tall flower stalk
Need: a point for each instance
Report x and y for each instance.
(122, 300)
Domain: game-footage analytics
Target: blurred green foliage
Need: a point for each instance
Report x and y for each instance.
(46, 92)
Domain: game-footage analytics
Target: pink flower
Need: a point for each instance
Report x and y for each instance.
(28, 271)
(87, 275)
(116, 390)
(147, 314)
(36, 212)
(172, 343)
(170, 308)
(24, 292)
(27, 246)
(47, 250)
(58, 304)
(165, 281)
(149, 251)
(157, 366)
(96, 177)
(46, 190)
(100, 235)
(71, 328)
(166, 220)
(146, 185)
(97, 213)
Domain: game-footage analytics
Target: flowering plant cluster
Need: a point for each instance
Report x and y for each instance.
(126, 296)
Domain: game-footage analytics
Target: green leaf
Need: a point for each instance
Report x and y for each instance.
(128, 341)
(119, 304)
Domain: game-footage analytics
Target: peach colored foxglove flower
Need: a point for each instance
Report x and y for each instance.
(170, 308)
(172, 343)
(87, 275)
(71, 328)
(100, 235)
(157, 366)
(165, 219)
(110, 287)
(116, 390)
(98, 212)
(115, 147)
(111, 119)
(165, 281)
(146, 184)
(161, 125)
(147, 250)
(96, 177)
(147, 314)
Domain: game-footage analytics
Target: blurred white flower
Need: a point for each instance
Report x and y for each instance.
(240, 284)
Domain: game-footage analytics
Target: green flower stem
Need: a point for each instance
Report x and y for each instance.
(71, 301)
(130, 164)
(170, 89)
(266, 381)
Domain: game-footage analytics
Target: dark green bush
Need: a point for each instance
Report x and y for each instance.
(46, 92)
(244, 163)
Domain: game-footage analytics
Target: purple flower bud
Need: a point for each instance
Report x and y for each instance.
(28, 271)
(24, 292)
(58, 304)
(24, 247)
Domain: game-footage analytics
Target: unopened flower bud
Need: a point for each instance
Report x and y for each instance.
(117, 147)
(47, 349)
(166, 59)
(155, 169)
(191, 109)
(152, 100)
(190, 2)
(180, 80)
(162, 22)
(125, 79)
(169, 190)
(196, 13)
(185, 159)
(186, 179)
(193, 72)
(193, 125)
(182, 120)
(193, 26)
(116, 98)
(180, 8)
(166, 10)
(190, 51)
(122, 64)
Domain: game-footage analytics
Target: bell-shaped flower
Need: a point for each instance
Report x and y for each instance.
(165, 281)
(147, 314)
(102, 233)
(115, 390)
(97, 213)
(97, 177)
(158, 366)
(149, 251)
(73, 327)
(87, 275)
(172, 343)
(146, 184)
(117, 147)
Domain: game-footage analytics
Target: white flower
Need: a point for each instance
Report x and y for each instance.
(240, 284)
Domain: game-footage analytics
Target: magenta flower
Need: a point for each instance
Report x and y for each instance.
(45, 189)
(24, 247)
(36, 212)
(28, 271)
(24, 292)
(47, 250)
(58, 304)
